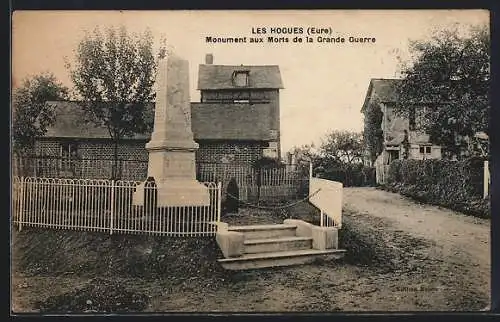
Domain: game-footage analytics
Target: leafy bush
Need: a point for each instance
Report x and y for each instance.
(452, 184)
(356, 176)
(394, 171)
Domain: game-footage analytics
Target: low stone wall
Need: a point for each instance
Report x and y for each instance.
(323, 237)
(328, 199)
(230, 242)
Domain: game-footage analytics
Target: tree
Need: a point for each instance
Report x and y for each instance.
(343, 147)
(114, 76)
(32, 115)
(342, 150)
(305, 155)
(373, 134)
(450, 77)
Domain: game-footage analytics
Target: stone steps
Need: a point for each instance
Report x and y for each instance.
(282, 258)
(265, 231)
(294, 242)
(270, 245)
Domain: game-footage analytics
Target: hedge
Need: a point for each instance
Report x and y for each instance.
(457, 185)
(358, 176)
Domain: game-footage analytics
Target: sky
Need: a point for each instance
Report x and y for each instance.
(324, 83)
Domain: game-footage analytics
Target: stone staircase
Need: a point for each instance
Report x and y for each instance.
(294, 242)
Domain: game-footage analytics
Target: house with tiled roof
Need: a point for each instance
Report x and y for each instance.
(236, 121)
(400, 137)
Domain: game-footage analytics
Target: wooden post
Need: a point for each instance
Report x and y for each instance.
(259, 182)
(486, 180)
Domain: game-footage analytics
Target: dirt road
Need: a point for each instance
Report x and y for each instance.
(454, 249)
(401, 256)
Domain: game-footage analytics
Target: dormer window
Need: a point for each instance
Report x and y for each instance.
(240, 78)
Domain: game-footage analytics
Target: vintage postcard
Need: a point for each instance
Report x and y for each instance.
(250, 161)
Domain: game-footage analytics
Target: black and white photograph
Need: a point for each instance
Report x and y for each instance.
(250, 161)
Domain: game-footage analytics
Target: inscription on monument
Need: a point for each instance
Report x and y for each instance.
(171, 149)
(161, 93)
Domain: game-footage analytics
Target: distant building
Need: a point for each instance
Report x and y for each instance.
(236, 121)
(237, 93)
(399, 135)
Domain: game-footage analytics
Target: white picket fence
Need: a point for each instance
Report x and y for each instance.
(106, 205)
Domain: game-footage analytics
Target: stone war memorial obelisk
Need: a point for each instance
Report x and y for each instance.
(172, 146)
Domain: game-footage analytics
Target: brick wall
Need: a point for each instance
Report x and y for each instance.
(48, 148)
(96, 157)
(129, 150)
(239, 152)
(135, 150)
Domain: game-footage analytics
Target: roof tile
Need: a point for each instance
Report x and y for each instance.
(208, 122)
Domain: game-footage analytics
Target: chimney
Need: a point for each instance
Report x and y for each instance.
(209, 59)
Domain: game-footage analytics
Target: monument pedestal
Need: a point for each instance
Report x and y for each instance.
(174, 193)
(174, 171)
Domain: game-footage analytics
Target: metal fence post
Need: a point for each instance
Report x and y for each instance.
(112, 207)
(21, 205)
(219, 201)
